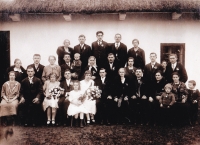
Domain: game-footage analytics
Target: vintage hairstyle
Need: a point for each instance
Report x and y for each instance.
(109, 54)
(175, 73)
(135, 40)
(76, 81)
(67, 70)
(66, 40)
(153, 53)
(121, 69)
(17, 59)
(173, 54)
(53, 74)
(11, 72)
(77, 54)
(37, 55)
(139, 69)
(94, 60)
(163, 61)
(130, 58)
(99, 32)
(66, 54)
(52, 56)
(193, 82)
(30, 67)
(81, 36)
(118, 34)
(103, 69)
(87, 72)
(160, 72)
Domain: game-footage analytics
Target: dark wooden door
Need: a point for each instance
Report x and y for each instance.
(4, 54)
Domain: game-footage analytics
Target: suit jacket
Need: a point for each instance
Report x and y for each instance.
(139, 57)
(157, 88)
(66, 88)
(85, 53)
(106, 88)
(179, 91)
(139, 89)
(30, 91)
(120, 53)
(93, 71)
(19, 76)
(130, 73)
(100, 52)
(63, 68)
(180, 69)
(112, 73)
(38, 71)
(61, 52)
(193, 95)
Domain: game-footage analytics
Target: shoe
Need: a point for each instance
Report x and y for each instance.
(64, 125)
(33, 125)
(93, 121)
(48, 122)
(108, 123)
(101, 122)
(76, 122)
(25, 125)
(53, 122)
(81, 123)
(88, 122)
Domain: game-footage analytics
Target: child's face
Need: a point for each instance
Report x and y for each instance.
(175, 78)
(67, 75)
(52, 78)
(167, 90)
(76, 86)
(87, 76)
(76, 57)
(191, 86)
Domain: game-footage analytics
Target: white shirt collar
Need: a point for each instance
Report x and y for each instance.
(174, 64)
(18, 69)
(68, 81)
(117, 44)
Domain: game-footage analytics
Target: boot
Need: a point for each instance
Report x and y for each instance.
(81, 123)
(76, 122)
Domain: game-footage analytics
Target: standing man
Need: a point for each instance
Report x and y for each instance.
(62, 50)
(175, 66)
(31, 91)
(138, 54)
(38, 68)
(119, 50)
(84, 50)
(105, 103)
(100, 49)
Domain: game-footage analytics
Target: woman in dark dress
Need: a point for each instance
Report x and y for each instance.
(130, 69)
(20, 72)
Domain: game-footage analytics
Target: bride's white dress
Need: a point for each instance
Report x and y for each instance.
(90, 105)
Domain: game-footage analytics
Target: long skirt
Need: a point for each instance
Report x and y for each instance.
(7, 109)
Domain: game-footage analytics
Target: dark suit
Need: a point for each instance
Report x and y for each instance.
(112, 72)
(61, 52)
(29, 92)
(63, 68)
(38, 71)
(62, 103)
(95, 72)
(149, 75)
(85, 53)
(120, 53)
(139, 57)
(104, 105)
(100, 52)
(180, 69)
(19, 76)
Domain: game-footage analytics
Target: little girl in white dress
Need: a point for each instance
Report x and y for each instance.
(50, 103)
(76, 103)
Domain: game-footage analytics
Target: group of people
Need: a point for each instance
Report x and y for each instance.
(131, 90)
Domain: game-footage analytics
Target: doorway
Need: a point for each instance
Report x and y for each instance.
(4, 54)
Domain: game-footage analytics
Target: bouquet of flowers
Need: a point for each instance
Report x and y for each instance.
(82, 98)
(55, 92)
(93, 93)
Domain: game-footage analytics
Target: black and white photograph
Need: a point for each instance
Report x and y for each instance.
(99, 72)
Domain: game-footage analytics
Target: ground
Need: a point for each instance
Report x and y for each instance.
(103, 135)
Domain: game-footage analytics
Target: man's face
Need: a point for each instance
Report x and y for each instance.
(175, 78)
(67, 58)
(66, 43)
(30, 72)
(117, 38)
(91, 61)
(130, 62)
(67, 75)
(138, 73)
(164, 64)
(153, 57)
(102, 73)
(36, 59)
(99, 36)
(81, 40)
(111, 58)
(135, 43)
(173, 59)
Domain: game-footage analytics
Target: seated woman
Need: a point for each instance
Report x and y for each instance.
(90, 105)
(51, 68)
(20, 72)
(76, 106)
(130, 69)
(10, 93)
(181, 107)
(92, 67)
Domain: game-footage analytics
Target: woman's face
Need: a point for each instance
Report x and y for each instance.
(52, 78)
(18, 64)
(12, 76)
(175, 78)
(76, 86)
(130, 62)
(91, 61)
(158, 76)
(87, 76)
(52, 60)
(121, 72)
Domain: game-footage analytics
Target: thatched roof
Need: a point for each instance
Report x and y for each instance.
(97, 6)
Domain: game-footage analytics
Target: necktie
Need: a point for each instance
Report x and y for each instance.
(110, 65)
(117, 45)
(152, 65)
(173, 66)
(31, 80)
(81, 48)
(68, 64)
(99, 43)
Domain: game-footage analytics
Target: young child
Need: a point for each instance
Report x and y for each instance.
(76, 107)
(193, 99)
(50, 102)
(167, 99)
(76, 64)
